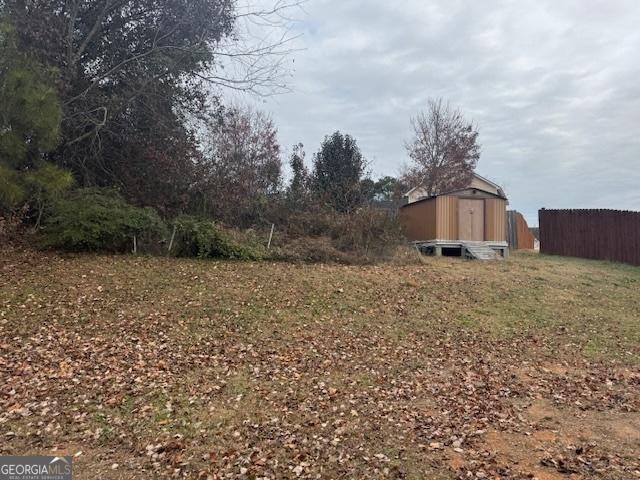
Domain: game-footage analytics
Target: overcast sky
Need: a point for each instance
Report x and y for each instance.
(553, 85)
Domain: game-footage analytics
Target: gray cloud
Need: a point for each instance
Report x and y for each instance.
(553, 87)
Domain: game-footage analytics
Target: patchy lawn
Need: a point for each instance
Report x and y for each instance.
(150, 367)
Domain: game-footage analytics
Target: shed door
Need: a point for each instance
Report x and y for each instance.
(471, 220)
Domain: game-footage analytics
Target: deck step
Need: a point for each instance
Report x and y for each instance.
(480, 252)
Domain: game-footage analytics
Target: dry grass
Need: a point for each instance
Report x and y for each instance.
(422, 369)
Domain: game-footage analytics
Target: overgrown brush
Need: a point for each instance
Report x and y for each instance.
(362, 236)
(100, 220)
(203, 238)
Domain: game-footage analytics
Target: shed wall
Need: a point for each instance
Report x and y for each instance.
(447, 217)
(419, 220)
(437, 219)
(495, 216)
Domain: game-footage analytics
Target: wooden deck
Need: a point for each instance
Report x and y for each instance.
(487, 250)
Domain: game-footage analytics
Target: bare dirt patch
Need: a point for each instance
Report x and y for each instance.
(569, 443)
(614, 428)
(523, 453)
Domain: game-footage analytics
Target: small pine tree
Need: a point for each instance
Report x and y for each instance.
(29, 126)
(31, 113)
(338, 170)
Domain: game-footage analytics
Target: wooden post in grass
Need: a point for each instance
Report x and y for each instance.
(173, 236)
(273, 225)
(135, 245)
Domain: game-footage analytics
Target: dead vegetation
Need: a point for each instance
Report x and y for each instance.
(152, 367)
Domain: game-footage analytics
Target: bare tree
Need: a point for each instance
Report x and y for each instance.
(444, 150)
(241, 168)
(255, 59)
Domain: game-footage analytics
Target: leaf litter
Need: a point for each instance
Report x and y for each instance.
(163, 368)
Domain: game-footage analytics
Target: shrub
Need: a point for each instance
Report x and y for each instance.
(311, 249)
(35, 187)
(100, 220)
(364, 235)
(202, 238)
(372, 232)
(44, 185)
(312, 223)
(12, 231)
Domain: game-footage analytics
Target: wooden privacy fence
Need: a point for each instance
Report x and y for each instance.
(518, 234)
(598, 234)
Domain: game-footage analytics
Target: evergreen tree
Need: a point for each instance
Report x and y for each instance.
(29, 126)
(31, 114)
(338, 170)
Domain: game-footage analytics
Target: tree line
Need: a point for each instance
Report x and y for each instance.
(126, 96)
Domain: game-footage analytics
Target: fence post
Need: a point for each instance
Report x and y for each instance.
(273, 226)
(173, 235)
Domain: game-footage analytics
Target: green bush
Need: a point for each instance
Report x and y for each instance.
(100, 220)
(202, 238)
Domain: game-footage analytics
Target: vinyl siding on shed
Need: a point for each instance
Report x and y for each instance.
(495, 227)
(437, 219)
(447, 218)
(419, 220)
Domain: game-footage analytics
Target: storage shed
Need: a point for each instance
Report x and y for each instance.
(470, 221)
